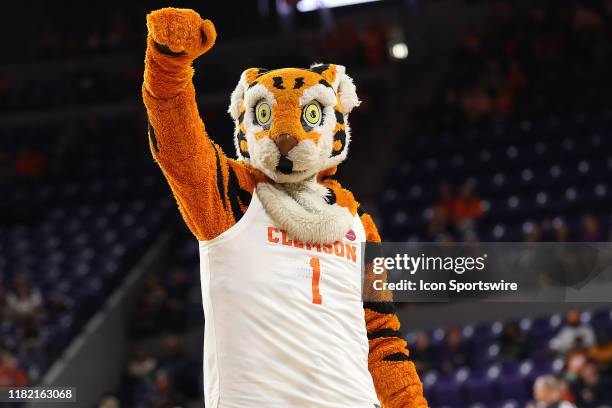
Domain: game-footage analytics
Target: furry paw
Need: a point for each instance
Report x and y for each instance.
(180, 32)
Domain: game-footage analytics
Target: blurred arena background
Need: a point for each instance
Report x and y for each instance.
(482, 121)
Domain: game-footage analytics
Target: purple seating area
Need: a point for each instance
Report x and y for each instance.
(171, 300)
(74, 235)
(168, 309)
(488, 378)
(528, 172)
(75, 258)
(496, 386)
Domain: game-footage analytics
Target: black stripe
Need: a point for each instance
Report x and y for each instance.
(330, 198)
(339, 117)
(203, 36)
(396, 357)
(252, 84)
(241, 117)
(325, 83)
(278, 82)
(341, 136)
(219, 178)
(261, 71)
(319, 69)
(234, 186)
(240, 137)
(383, 333)
(299, 82)
(234, 192)
(164, 49)
(380, 307)
(360, 211)
(152, 137)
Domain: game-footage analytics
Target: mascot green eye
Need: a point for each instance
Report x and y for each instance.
(263, 113)
(312, 113)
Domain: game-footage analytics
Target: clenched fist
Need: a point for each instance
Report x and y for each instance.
(180, 32)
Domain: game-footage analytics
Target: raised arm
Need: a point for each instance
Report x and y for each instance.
(395, 378)
(212, 191)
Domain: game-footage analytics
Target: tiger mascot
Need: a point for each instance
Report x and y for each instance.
(279, 238)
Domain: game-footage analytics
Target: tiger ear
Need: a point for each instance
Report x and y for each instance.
(247, 78)
(341, 83)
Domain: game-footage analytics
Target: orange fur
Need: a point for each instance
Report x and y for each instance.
(402, 390)
(330, 73)
(344, 198)
(371, 231)
(190, 161)
(379, 321)
(325, 174)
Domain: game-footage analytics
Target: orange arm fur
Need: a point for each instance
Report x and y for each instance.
(395, 378)
(212, 190)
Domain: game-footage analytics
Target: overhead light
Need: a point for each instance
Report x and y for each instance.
(399, 50)
(311, 5)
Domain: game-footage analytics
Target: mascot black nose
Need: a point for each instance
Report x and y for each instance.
(285, 165)
(285, 143)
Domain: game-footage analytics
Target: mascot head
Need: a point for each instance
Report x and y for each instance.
(292, 123)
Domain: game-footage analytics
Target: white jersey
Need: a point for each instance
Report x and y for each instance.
(284, 321)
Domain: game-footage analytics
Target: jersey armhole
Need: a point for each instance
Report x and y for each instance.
(250, 213)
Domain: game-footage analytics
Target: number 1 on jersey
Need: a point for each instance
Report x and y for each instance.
(316, 277)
